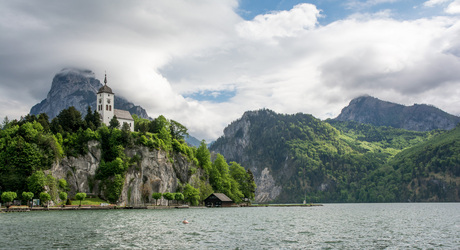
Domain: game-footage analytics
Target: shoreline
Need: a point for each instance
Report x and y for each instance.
(83, 207)
(13, 209)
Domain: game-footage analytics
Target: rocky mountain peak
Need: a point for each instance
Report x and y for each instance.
(419, 117)
(78, 88)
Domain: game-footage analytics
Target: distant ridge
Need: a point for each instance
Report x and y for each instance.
(78, 88)
(418, 117)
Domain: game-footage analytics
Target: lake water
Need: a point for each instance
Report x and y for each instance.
(332, 226)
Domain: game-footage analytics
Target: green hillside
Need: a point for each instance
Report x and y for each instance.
(332, 161)
(432, 168)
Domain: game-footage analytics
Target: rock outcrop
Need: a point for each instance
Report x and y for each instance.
(154, 172)
(78, 88)
(419, 117)
(235, 145)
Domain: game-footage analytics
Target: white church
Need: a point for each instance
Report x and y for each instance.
(106, 104)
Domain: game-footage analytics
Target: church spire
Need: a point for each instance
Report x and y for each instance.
(105, 79)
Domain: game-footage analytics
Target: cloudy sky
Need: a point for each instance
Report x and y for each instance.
(205, 62)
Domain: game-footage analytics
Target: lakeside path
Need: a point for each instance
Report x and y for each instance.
(83, 207)
(113, 207)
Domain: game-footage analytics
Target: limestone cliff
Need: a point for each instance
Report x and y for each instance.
(154, 172)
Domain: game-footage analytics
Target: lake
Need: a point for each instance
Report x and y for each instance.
(332, 226)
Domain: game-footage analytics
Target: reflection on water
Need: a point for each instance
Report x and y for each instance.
(335, 226)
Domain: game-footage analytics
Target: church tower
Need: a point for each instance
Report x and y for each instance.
(105, 102)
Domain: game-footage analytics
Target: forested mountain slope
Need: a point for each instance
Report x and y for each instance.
(432, 168)
(294, 157)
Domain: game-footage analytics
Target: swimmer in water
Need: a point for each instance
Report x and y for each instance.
(185, 221)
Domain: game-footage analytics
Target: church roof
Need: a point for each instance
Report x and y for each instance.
(123, 114)
(105, 88)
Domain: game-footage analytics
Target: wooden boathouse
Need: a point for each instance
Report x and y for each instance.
(218, 200)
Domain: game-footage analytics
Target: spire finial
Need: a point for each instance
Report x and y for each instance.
(105, 79)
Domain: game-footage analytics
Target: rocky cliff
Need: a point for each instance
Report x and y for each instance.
(78, 88)
(236, 144)
(155, 172)
(419, 117)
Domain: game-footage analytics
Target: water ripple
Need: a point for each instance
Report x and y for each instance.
(334, 226)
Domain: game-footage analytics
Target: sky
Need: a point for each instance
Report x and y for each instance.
(205, 62)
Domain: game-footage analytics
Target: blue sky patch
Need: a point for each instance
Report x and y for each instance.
(212, 95)
(333, 10)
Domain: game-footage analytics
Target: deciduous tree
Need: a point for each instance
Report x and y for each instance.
(80, 197)
(27, 196)
(178, 197)
(63, 196)
(8, 197)
(168, 196)
(36, 182)
(191, 195)
(45, 198)
(156, 196)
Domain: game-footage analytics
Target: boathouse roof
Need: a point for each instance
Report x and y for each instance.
(220, 196)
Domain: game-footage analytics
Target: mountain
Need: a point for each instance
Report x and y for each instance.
(419, 117)
(299, 157)
(192, 141)
(78, 88)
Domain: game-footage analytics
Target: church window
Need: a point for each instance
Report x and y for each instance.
(106, 107)
(110, 107)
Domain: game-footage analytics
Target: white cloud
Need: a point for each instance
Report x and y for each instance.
(432, 3)
(454, 7)
(280, 24)
(156, 52)
(129, 40)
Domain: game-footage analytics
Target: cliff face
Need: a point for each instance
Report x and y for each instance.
(235, 145)
(155, 172)
(78, 88)
(419, 117)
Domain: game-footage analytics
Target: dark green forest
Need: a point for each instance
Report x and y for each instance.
(332, 161)
(30, 146)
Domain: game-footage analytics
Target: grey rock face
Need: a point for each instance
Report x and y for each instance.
(419, 117)
(78, 88)
(154, 173)
(80, 172)
(267, 190)
(234, 146)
